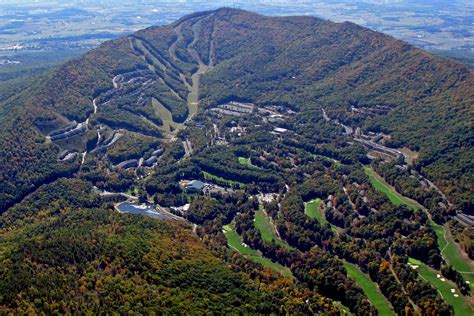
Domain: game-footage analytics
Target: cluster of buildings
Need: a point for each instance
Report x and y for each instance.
(103, 143)
(466, 219)
(134, 163)
(234, 109)
(197, 186)
(153, 158)
(274, 113)
(68, 156)
(127, 164)
(192, 186)
(373, 110)
(68, 131)
(374, 142)
(279, 131)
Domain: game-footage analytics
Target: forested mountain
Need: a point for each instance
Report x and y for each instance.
(327, 153)
(302, 62)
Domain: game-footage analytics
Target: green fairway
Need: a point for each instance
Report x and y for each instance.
(394, 197)
(447, 246)
(267, 231)
(210, 176)
(313, 210)
(235, 242)
(460, 304)
(370, 289)
(452, 254)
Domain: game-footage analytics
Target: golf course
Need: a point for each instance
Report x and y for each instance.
(370, 289)
(235, 242)
(267, 230)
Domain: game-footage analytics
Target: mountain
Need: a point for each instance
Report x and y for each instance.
(268, 115)
(302, 62)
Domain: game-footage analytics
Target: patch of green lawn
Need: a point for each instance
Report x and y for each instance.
(235, 242)
(267, 231)
(344, 308)
(452, 254)
(313, 210)
(394, 197)
(244, 161)
(336, 162)
(370, 289)
(460, 304)
(165, 116)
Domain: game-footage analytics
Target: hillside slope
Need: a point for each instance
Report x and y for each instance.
(308, 63)
(302, 62)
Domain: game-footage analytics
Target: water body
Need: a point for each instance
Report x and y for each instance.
(142, 209)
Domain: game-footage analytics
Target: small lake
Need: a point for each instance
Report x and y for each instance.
(142, 209)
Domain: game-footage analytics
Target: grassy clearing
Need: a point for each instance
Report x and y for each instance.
(165, 116)
(394, 197)
(460, 304)
(193, 96)
(132, 191)
(345, 310)
(246, 162)
(210, 176)
(370, 289)
(313, 210)
(267, 231)
(235, 242)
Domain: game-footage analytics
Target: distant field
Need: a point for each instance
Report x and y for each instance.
(313, 210)
(370, 289)
(464, 56)
(460, 304)
(210, 176)
(267, 231)
(235, 242)
(31, 64)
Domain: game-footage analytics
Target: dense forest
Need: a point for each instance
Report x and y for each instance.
(72, 254)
